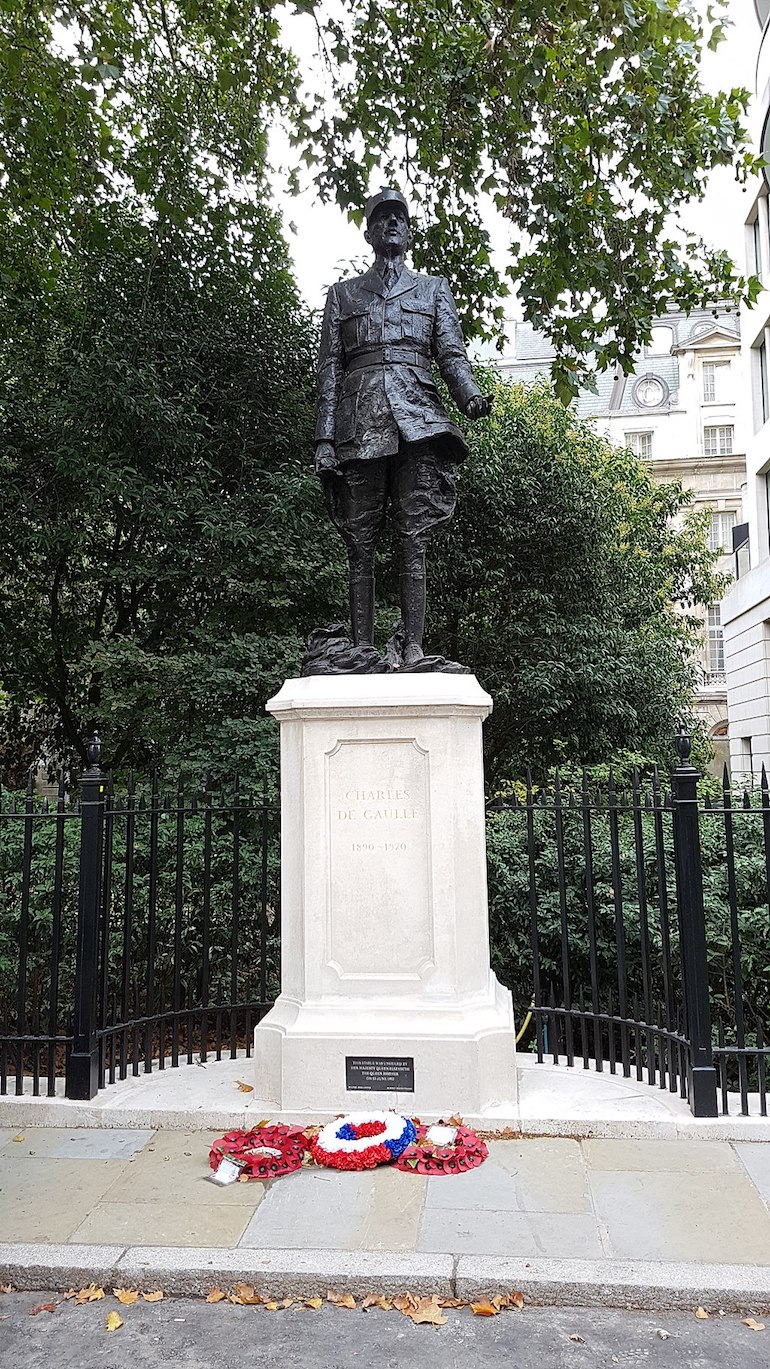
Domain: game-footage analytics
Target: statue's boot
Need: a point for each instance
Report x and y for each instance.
(413, 595)
(362, 609)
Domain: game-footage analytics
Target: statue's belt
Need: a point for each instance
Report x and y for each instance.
(393, 354)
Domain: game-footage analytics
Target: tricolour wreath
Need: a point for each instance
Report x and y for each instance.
(441, 1149)
(362, 1140)
(265, 1152)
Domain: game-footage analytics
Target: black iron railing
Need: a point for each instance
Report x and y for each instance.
(140, 927)
(137, 928)
(648, 929)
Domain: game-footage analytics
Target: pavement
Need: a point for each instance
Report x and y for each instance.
(594, 1221)
(599, 1191)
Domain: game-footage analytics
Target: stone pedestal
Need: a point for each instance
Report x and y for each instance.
(385, 941)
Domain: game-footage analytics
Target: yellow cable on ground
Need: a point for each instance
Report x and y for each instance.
(526, 1022)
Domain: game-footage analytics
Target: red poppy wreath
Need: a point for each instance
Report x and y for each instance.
(442, 1149)
(264, 1152)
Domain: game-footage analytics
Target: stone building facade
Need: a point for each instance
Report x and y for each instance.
(681, 411)
(746, 607)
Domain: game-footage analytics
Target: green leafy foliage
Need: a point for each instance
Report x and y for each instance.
(585, 123)
(227, 922)
(510, 908)
(166, 103)
(163, 547)
(557, 583)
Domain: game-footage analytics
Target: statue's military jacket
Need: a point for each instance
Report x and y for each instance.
(375, 382)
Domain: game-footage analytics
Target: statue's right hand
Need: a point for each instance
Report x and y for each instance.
(325, 459)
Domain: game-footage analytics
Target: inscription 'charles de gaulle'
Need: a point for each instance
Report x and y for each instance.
(380, 805)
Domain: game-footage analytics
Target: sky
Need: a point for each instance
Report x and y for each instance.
(325, 245)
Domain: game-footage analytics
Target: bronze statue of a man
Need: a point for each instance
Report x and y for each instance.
(383, 435)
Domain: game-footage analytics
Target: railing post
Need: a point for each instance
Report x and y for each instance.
(702, 1080)
(83, 1065)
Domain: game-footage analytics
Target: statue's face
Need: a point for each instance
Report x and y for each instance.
(388, 231)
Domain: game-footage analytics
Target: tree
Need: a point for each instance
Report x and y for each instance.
(557, 585)
(586, 123)
(162, 543)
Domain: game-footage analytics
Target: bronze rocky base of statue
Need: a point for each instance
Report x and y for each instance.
(329, 651)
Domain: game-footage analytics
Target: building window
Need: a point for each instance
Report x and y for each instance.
(715, 382)
(764, 389)
(661, 340)
(756, 234)
(721, 531)
(716, 645)
(747, 758)
(718, 441)
(640, 444)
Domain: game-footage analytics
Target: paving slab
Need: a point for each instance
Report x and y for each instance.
(680, 1156)
(548, 1175)
(756, 1160)
(81, 1143)
(174, 1167)
(326, 1209)
(46, 1199)
(167, 1224)
(677, 1216)
(510, 1233)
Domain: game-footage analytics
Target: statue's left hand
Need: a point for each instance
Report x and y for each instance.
(479, 406)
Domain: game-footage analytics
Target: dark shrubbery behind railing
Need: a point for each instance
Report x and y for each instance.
(631, 918)
(188, 926)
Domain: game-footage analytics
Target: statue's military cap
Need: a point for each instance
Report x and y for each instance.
(385, 196)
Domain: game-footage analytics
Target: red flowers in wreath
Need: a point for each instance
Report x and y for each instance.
(441, 1149)
(267, 1151)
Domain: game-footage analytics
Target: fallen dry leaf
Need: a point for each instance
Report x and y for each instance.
(315, 1303)
(114, 1321)
(484, 1309)
(701, 1314)
(42, 1307)
(427, 1312)
(126, 1296)
(244, 1087)
(340, 1299)
(18, 1138)
(216, 1295)
(455, 1120)
(753, 1325)
(453, 1302)
(377, 1300)
(517, 1299)
(246, 1295)
(271, 1306)
(501, 1301)
(157, 1296)
(579, 1340)
(89, 1294)
(404, 1302)
(276, 1306)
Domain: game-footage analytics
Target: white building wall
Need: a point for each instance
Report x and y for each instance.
(746, 608)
